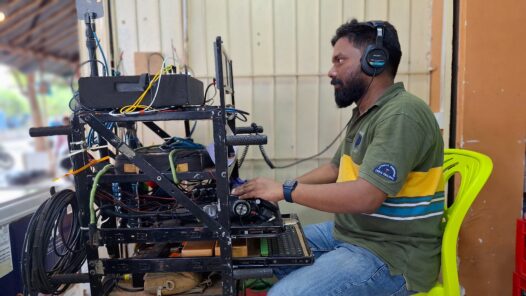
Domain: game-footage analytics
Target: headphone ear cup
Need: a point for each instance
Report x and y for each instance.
(366, 68)
(374, 60)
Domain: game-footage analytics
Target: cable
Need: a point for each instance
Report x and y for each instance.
(175, 56)
(138, 103)
(211, 100)
(47, 226)
(150, 57)
(232, 113)
(77, 106)
(192, 130)
(129, 289)
(77, 72)
(272, 166)
(89, 164)
(163, 68)
(92, 218)
(108, 283)
(206, 101)
(115, 70)
(90, 139)
(243, 155)
(178, 143)
(106, 71)
(172, 166)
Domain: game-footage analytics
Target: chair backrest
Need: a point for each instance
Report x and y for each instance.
(474, 169)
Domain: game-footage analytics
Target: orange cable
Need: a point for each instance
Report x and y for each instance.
(89, 164)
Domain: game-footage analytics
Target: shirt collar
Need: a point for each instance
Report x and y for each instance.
(389, 93)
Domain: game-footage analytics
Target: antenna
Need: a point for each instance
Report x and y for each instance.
(89, 10)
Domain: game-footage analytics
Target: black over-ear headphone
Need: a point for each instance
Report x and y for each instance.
(375, 56)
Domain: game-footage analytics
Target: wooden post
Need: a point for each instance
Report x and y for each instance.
(36, 115)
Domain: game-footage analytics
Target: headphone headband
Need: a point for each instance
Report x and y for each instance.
(379, 28)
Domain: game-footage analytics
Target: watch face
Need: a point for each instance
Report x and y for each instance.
(290, 183)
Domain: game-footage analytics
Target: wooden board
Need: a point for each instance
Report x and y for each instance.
(491, 120)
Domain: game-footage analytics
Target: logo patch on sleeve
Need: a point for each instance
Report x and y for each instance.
(386, 170)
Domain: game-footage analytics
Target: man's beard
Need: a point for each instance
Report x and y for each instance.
(350, 92)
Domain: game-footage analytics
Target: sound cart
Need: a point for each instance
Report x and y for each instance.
(149, 207)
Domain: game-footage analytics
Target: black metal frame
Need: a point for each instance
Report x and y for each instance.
(211, 228)
(207, 228)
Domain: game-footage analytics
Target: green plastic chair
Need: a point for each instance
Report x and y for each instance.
(474, 169)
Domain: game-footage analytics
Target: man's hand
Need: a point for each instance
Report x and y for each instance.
(263, 188)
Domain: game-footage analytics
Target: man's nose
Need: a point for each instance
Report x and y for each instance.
(331, 73)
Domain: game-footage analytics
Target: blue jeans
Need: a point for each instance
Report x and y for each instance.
(339, 269)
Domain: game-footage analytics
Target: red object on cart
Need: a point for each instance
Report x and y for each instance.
(519, 276)
(520, 248)
(250, 292)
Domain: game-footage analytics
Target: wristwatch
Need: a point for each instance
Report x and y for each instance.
(288, 187)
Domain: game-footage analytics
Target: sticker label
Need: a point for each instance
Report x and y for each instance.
(387, 171)
(6, 260)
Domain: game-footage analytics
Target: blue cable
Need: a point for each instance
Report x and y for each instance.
(180, 143)
(90, 139)
(106, 72)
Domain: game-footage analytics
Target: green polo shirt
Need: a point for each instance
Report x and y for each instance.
(396, 145)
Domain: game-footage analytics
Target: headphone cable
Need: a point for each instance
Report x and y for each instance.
(272, 166)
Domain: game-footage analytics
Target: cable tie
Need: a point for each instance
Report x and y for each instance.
(75, 152)
(98, 147)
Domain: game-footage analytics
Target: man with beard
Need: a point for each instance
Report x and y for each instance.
(384, 183)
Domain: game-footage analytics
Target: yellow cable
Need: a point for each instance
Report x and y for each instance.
(137, 104)
(89, 164)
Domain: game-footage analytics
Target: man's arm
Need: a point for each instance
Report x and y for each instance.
(327, 173)
(357, 196)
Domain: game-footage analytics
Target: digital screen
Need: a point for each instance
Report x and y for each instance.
(227, 72)
(223, 67)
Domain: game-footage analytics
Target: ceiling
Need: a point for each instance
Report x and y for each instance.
(39, 35)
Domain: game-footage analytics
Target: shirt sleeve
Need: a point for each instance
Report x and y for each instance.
(396, 147)
(337, 155)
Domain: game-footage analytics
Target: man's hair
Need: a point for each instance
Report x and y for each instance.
(361, 34)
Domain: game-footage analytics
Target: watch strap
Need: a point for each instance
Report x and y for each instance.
(288, 187)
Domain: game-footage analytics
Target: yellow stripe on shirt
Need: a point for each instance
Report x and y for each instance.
(349, 170)
(417, 183)
(422, 183)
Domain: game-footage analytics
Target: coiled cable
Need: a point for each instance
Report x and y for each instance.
(48, 228)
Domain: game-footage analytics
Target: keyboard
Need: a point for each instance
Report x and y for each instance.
(287, 248)
(288, 244)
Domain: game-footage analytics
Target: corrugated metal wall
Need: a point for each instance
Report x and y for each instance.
(281, 53)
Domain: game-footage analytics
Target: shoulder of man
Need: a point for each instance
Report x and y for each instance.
(408, 104)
